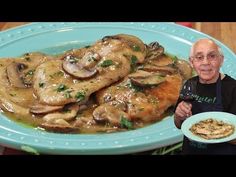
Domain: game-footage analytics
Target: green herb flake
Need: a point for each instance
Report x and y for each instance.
(27, 58)
(66, 111)
(71, 59)
(61, 88)
(57, 74)
(30, 73)
(80, 96)
(26, 54)
(67, 94)
(133, 62)
(92, 59)
(41, 84)
(126, 56)
(12, 94)
(136, 48)
(79, 115)
(107, 63)
(174, 58)
(125, 123)
(135, 88)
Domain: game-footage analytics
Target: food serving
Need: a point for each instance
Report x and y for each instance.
(118, 83)
(212, 129)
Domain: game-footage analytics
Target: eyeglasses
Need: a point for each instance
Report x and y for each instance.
(210, 57)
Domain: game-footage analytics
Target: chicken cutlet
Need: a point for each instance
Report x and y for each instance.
(212, 129)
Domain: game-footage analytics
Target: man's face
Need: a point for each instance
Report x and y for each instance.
(206, 60)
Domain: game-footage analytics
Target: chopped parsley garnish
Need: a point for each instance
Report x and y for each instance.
(57, 74)
(133, 62)
(12, 94)
(61, 88)
(66, 111)
(72, 59)
(30, 73)
(92, 59)
(125, 123)
(136, 48)
(26, 54)
(174, 58)
(67, 94)
(107, 63)
(134, 87)
(79, 115)
(126, 56)
(27, 58)
(41, 84)
(80, 96)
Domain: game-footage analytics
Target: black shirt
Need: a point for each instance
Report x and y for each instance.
(207, 93)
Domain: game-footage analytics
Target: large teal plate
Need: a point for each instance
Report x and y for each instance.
(219, 116)
(55, 38)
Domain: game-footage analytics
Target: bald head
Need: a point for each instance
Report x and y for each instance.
(202, 44)
(208, 70)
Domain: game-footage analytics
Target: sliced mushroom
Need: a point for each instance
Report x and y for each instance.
(43, 109)
(184, 68)
(108, 114)
(81, 68)
(58, 122)
(161, 60)
(60, 127)
(127, 45)
(105, 38)
(135, 43)
(154, 50)
(164, 70)
(145, 79)
(76, 53)
(14, 75)
(78, 71)
(9, 106)
(61, 122)
(67, 115)
(139, 74)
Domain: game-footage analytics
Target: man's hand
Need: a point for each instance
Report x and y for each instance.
(182, 112)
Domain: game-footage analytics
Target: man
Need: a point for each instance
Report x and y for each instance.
(211, 90)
